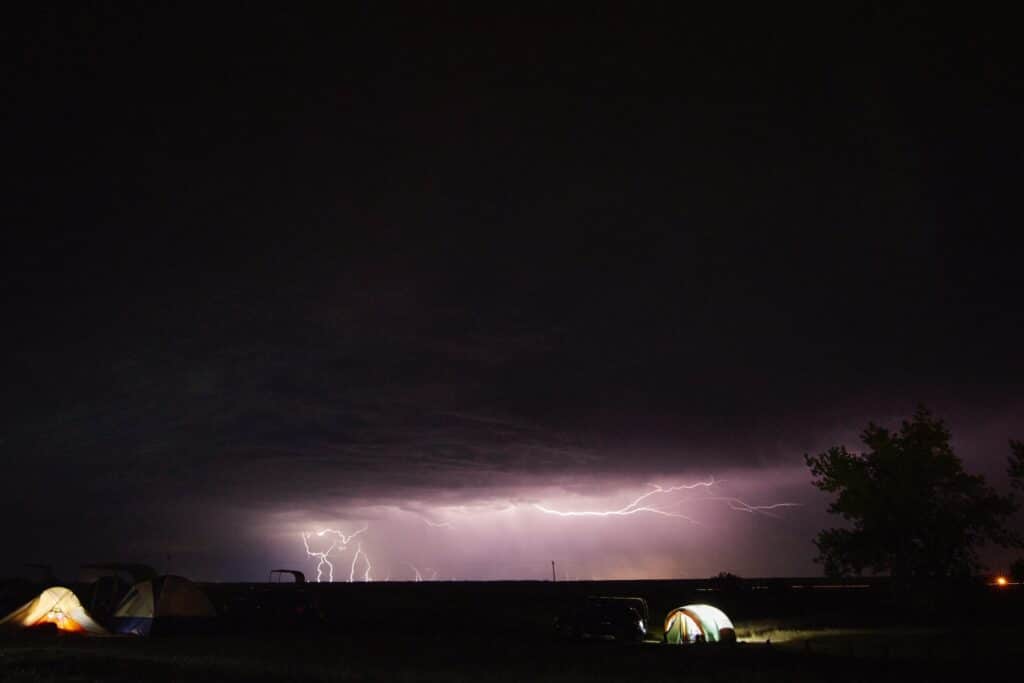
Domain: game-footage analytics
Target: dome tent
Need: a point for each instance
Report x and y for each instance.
(55, 605)
(689, 623)
(165, 604)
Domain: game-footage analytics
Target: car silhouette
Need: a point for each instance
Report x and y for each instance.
(620, 618)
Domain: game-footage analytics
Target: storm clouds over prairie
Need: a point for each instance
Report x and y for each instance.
(269, 278)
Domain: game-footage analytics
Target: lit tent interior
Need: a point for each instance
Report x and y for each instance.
(689, 623)
(55, 605)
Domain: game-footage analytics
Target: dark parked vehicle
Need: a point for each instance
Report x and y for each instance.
(605, 617)
(285, 602)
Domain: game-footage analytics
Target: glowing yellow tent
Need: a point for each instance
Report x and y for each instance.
(55, 605)
(693, 623)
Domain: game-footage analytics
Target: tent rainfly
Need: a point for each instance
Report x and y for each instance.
(55, 605)
(165, 604)
(689, 623)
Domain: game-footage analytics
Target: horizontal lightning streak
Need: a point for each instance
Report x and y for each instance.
(634, 507)
(345, 540)
(438, 525)
(610, 513)
(743, 506)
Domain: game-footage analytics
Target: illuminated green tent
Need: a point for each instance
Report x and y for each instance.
(693, 623)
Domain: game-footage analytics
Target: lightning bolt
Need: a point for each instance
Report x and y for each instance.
(641, 504)
(742, 506)
(322, 556)
(323, 561)
(355, 558)
(429, 522)
(635, 507)
(419, 577)
(345, 540)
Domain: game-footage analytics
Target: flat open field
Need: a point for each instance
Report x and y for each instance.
(502, 631)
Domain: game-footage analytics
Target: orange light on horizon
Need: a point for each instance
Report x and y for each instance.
(1001, 581)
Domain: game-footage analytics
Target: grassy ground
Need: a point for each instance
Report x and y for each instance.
(917, 644)
(503, 632)
(836, 654)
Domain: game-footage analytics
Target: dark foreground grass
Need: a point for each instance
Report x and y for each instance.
(417, 655)
(503, 632)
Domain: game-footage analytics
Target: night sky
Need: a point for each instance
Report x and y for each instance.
(266, 274)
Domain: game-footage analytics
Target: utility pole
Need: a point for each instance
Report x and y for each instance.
(553, 571)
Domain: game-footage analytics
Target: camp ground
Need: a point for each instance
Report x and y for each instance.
(56, 607)
(171, 629)
(158, 606)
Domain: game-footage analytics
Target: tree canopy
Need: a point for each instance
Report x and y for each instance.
(911, 509)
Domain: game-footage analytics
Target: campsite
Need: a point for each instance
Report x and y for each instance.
(786, 629)
(488, 342)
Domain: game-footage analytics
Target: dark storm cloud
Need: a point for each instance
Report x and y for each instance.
(286, 262)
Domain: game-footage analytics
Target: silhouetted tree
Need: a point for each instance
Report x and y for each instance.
(1017, 570)
(1015, 464)
(912, 510)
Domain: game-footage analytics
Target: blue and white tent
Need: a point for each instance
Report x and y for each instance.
(163, 605)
